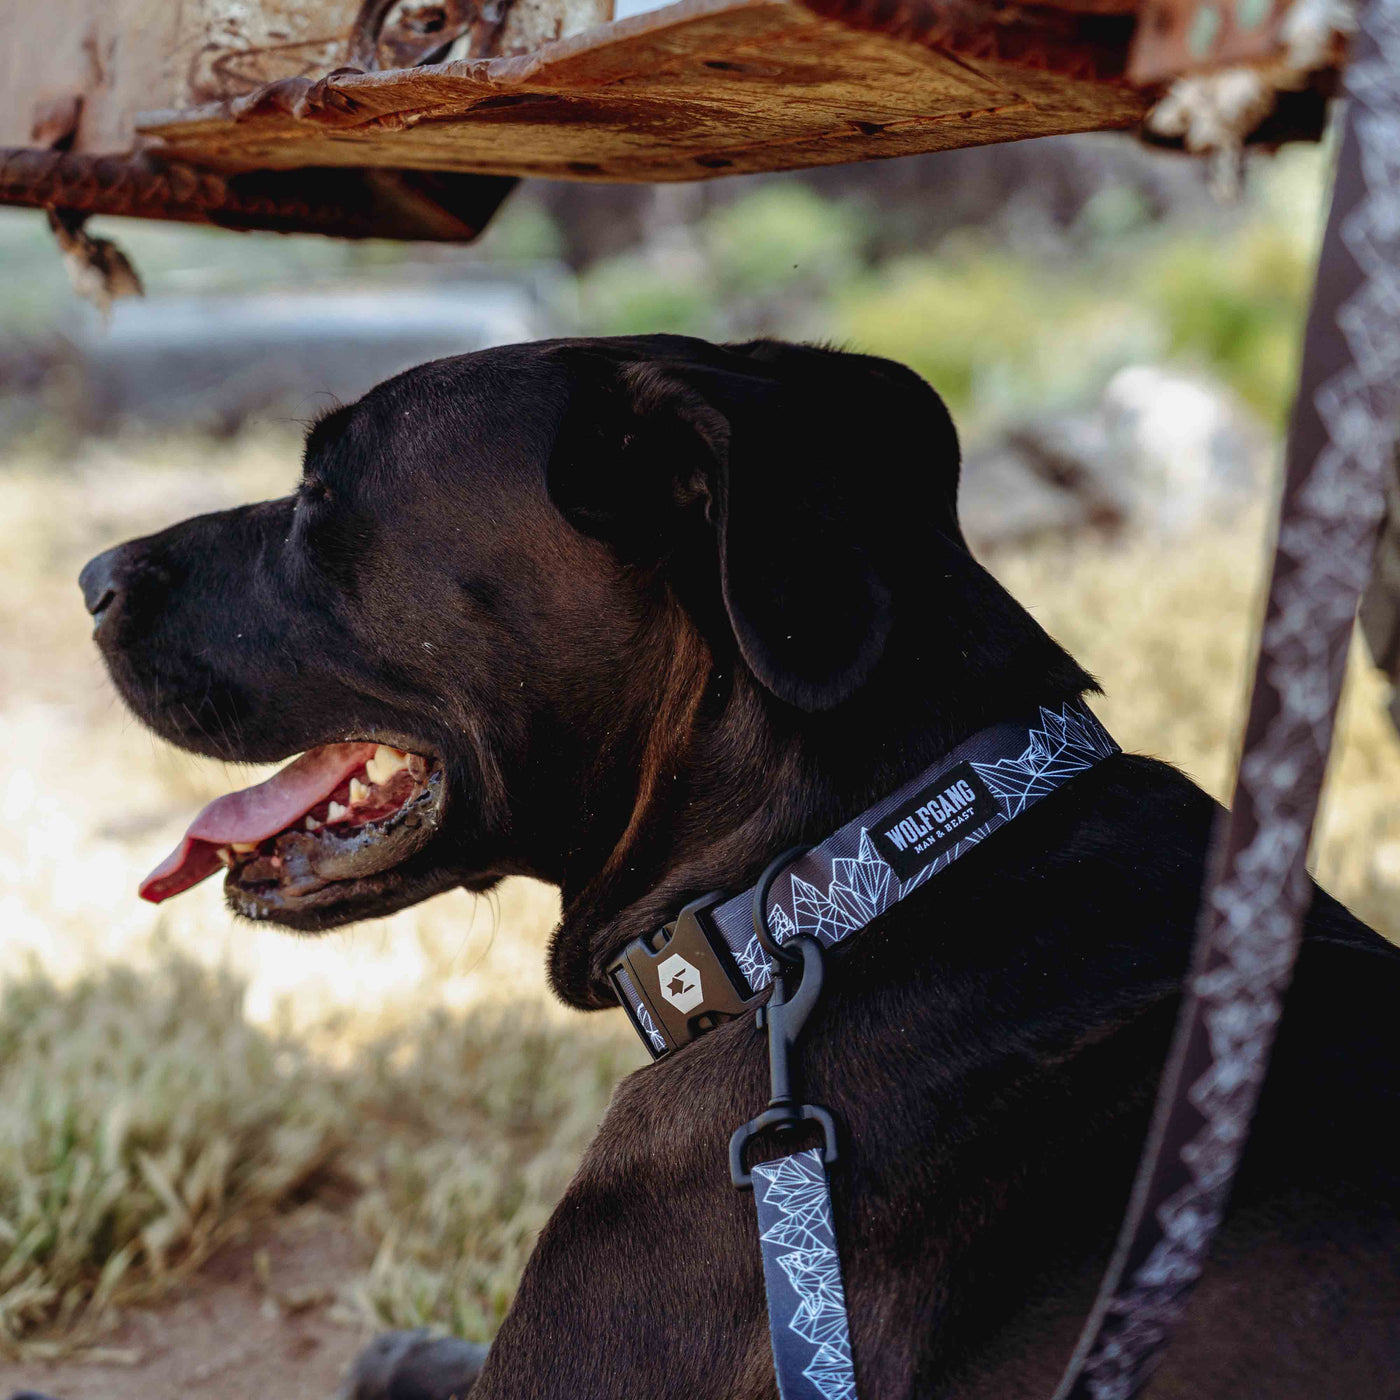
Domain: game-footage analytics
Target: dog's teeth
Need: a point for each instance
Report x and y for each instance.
(358, 792)
(385, 763)
(226, 855)
(312, 824)
(244, 847)
(335, 812)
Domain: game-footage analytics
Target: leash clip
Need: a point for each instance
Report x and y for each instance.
(783, 1017)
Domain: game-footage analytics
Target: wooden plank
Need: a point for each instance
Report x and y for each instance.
(701, 88)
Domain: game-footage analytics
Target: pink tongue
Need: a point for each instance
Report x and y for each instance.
(253, 814)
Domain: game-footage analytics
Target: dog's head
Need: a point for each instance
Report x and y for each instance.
(620, 614)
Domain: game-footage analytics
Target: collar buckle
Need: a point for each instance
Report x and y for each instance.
(685, 975)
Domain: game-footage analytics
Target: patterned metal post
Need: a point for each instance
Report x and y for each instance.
(1341, 442)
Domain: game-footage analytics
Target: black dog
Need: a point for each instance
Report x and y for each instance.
(651, 611)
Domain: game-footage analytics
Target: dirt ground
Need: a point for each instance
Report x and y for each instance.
(261, 1321)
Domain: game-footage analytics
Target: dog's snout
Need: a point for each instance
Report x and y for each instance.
(101, 582)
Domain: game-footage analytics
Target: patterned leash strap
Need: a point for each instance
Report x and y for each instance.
(802, 1277)
(804, 903)
(1341, 441)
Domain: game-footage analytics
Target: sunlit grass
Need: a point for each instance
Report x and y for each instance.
(141, 1116)
(145, 1119)
(1169, 628)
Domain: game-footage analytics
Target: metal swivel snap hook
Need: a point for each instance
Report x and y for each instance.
(783, 1016)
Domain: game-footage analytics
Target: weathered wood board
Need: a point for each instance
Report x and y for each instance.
(698, 89)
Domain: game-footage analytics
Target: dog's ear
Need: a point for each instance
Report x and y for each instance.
(800, 470)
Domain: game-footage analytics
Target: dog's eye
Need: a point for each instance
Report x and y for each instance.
(315, 492)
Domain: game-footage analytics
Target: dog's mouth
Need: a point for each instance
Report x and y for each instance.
(336, 819)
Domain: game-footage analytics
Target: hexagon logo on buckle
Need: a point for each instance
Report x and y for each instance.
(680, 983)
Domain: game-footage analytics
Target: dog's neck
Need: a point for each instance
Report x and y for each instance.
(728, 777)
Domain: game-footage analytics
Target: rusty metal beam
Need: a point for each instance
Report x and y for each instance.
(345, 203)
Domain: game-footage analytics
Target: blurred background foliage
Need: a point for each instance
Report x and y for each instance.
(993, 325)
(1010, 303)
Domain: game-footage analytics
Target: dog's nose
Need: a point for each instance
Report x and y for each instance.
(100, 582)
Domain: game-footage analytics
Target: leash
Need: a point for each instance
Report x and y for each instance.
(1341, 443)
(765, 949)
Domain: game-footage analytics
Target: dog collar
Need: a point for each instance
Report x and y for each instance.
(710, 964)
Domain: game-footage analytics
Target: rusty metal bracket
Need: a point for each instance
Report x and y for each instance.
(1191, 36)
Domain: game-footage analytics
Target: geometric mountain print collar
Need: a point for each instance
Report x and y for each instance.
(709, 966)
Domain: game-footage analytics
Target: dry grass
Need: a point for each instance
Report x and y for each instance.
(168, 1078)
(1169, 629)
(143, 1114)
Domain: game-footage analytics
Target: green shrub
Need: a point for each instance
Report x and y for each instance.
(780, 235)
(632, 296)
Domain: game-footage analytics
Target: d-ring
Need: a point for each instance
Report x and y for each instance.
(770, 945)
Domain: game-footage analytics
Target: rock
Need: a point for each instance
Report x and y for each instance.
(1191, 452)
(1160, 452)
(414, 1366)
